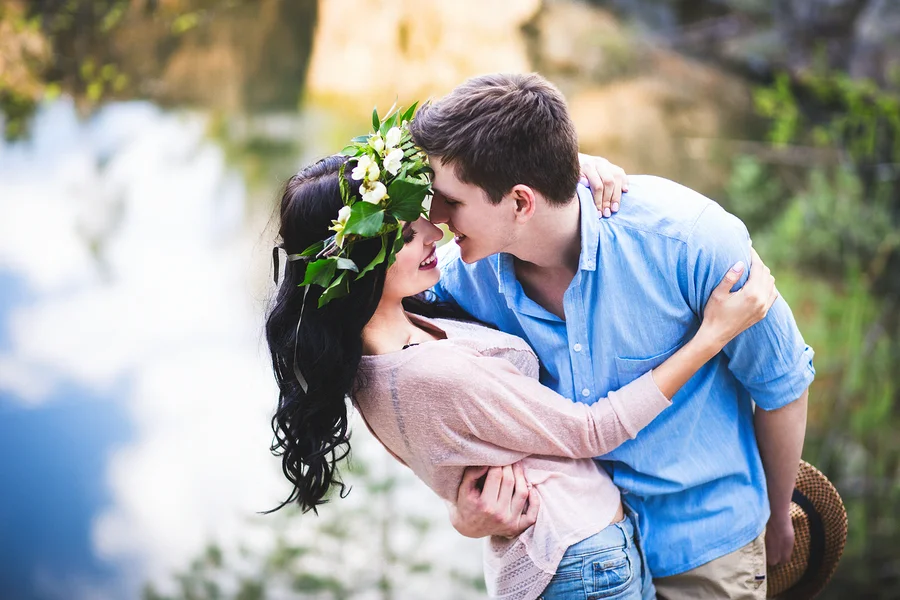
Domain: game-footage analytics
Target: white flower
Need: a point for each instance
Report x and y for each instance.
(338, 226)
(373, 192)
(392, 161)
(393, 137)
(362, 165)
(377, 142)
(366, 169)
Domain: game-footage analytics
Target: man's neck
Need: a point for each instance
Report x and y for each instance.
(553, 241)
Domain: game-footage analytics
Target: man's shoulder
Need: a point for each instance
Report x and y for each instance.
(661, 207)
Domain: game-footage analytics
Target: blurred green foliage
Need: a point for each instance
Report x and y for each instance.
(363, 545)
(828, 216)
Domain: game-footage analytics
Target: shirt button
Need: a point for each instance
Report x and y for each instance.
(585, 392)
(577, 347)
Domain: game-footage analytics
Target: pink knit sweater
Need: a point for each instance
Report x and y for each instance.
(474, 399)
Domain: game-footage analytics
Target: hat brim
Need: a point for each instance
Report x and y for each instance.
(820, 527)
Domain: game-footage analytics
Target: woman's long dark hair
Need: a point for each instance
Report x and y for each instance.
(311, 429)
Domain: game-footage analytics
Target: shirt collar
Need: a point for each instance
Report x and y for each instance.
(590, 240)
(590, 230)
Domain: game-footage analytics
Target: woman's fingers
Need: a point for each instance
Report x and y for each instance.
(491, 489)
(731, 277)
(507, 485)
(531, 511)
(520, 495)
(606, 180)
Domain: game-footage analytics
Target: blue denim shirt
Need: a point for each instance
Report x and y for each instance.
(694, 475)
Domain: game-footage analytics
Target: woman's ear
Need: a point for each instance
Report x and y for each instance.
(525, 202)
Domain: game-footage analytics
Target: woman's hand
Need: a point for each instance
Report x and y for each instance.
(729, 313)
(607, 182)
(726, 314)
(494, 501)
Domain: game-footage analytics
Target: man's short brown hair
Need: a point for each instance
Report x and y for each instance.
(501, 130)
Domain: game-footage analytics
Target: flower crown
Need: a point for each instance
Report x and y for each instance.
(393, 181)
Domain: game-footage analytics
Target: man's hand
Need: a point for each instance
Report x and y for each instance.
(607, 182)
(494, 501)
(780, 434)
(779, 539)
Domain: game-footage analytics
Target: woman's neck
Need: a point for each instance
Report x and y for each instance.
(390, 329)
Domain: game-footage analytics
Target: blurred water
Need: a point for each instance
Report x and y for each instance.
(133, 394)
(135, 391)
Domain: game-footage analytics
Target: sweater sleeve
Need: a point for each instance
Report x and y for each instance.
(503, 407)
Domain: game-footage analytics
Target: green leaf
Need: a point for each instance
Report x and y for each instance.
(340, 287)
(320, 272)
(389, 121)
(361, 139)
(406, 197)
(345, 264)
(344, 185)
(408, 115)
(398, 244)
(365, 219)
(379, 258)
(313, 250)
(376, 122)
(351, 150)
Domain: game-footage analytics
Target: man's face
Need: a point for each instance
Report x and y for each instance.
(481, 228)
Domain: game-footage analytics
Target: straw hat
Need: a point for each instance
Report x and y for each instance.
(820, 530)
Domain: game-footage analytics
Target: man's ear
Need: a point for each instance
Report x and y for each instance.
(525, 201)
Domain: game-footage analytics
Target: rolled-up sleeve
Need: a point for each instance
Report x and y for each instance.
(770, 359)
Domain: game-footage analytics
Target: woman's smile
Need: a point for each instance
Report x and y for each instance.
(430, 262)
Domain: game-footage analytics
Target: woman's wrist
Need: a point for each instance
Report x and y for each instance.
(706, 343)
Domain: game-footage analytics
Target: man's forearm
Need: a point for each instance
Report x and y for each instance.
(780, 434)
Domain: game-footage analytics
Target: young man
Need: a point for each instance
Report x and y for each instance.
(604, 300)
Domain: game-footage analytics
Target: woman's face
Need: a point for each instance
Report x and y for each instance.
(415, 268)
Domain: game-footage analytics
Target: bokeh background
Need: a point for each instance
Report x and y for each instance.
(144, 144)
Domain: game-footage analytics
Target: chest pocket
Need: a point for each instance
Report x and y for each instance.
(629, 369)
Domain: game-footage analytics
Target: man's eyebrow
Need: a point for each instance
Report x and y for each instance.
(445, 195)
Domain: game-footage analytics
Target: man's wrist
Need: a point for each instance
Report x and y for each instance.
(780, 514)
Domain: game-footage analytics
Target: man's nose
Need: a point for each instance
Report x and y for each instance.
(438, 212)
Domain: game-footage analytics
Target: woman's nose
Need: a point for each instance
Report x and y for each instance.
(432, 232)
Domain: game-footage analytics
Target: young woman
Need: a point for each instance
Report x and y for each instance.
(442, 394)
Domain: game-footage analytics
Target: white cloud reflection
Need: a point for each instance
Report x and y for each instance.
(127, 230)
(129, 233)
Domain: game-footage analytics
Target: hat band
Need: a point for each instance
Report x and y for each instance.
(816, 537)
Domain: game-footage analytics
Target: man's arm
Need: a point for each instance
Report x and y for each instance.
(779, 435)
(771, 361)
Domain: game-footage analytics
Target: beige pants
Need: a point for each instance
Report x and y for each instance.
(739, 575)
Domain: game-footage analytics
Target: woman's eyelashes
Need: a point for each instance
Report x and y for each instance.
(409, 234)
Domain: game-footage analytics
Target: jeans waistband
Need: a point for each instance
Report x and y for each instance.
(615, 535)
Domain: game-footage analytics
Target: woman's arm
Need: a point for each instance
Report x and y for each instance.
(726, 315)
(511, 411)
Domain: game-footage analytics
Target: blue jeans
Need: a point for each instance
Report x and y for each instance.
(609, 564)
